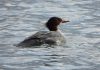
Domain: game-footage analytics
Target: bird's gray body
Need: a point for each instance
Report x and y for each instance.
(44, 37)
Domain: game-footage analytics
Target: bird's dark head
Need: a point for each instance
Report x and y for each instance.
(53, 23)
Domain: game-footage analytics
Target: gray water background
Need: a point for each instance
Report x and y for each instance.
(21, 18)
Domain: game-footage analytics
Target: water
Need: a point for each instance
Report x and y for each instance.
(22, 18)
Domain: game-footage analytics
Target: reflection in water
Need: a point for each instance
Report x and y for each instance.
(21, 18)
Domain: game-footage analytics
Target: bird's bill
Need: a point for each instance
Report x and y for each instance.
(63, 21)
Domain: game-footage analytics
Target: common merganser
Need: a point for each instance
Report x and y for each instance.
(51, 37)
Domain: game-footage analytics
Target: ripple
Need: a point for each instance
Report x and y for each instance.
(93, 35)
(21, 18)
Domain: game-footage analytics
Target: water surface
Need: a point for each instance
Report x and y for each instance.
(22, 18)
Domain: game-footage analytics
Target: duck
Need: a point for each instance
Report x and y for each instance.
(51, 37)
